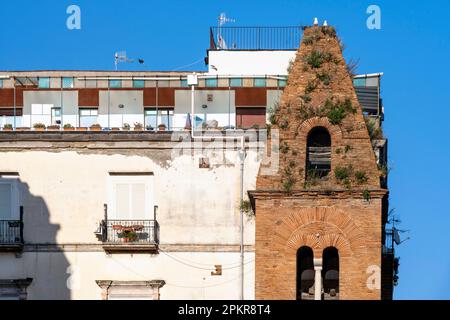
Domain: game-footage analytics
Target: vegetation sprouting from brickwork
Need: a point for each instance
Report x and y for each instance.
(347, 176)
(246, 207)
(334, 110)
(322, 68)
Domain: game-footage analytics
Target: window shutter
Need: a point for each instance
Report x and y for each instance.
(5, 201)
(138, 201)
(122, 201)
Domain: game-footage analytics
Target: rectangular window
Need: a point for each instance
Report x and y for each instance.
(56, 116)
(359, 82)
(115, 84)
(154, 118)
(138, 83)
(260, 82)
(88, 117)
(131, 197)
(184, 83)
(41, 109)
(150, 119)
(282, 83)
(1, 83)
(5, 201)
(67, 82)
(236, 82)
(211, 83)
(9, 209)
(44, 83)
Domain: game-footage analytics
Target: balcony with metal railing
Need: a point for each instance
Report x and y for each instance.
(255, 38)
(129, 235)
(11, 234)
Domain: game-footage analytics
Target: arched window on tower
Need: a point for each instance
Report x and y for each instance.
(305, 274)
(318, 159)
(330, 273)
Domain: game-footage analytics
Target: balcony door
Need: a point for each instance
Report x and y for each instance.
(8, 210)
(131, 197)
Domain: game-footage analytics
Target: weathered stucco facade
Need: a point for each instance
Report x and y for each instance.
(62, 182)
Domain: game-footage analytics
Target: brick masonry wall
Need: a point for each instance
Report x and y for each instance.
(326, 214)
(352, 132)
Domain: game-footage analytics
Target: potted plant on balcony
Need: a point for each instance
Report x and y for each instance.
(138, 126)
(128, 235)
(126, 127)
(95, 127)
(162, 127)
(39, 127)
(7, 127)
(68, 127)
(53, 128)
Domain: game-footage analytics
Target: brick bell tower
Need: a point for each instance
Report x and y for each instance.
(320, 217)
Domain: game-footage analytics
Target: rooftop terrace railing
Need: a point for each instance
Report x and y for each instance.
(255, 38)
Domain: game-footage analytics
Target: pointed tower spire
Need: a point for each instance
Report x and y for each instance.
(319, 219)
(324, 141)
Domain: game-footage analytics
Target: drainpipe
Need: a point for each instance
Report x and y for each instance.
(194, 81)
(242, 159)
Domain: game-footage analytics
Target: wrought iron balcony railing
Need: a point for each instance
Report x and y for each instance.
(11, 232)
(132, 232)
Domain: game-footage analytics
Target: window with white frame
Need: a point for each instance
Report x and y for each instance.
(14, 289)
(41, 113)
(41, 109)
(131, 196)
(67, 82)
(131, 290)
(153, 118)
(88, 117)
(44, 83)
(56, 116)
(8, 199)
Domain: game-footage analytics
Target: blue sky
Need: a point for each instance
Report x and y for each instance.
(412, 49)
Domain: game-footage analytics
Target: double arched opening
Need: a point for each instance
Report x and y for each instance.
(318, 158)
(317, 274)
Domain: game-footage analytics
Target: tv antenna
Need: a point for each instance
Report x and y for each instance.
(221, 21)
(121, 56)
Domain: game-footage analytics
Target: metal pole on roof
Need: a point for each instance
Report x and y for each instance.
(109, 107)
(14, 84)
(157, 103)
(62, 104)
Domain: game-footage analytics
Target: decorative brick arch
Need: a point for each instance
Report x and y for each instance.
(319, 228)
(308, 125)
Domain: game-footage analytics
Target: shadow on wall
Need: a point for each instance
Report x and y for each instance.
(48, 268)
